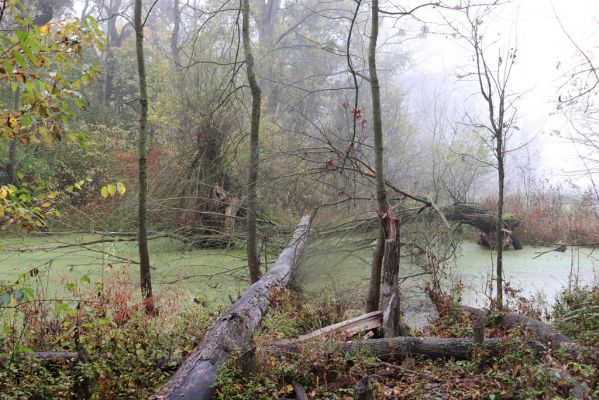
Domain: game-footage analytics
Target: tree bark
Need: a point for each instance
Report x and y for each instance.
(175, 34)
(374, 291)
(144, 257)
(391, 296)
(405, 346)
(11, 165)
(388, 221)
(195, 378)
(252, 248)
(499, 228)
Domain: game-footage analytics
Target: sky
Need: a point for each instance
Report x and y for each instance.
(545, 57)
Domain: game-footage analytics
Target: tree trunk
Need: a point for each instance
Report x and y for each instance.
(374, 291)
(499, 228)
(11, 166)
(252, 248)
(404, 346)
(388, 220)
(175, 34)
(144, 257)
(229, 333)
(391, 296)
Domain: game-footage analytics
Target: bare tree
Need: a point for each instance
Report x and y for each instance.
(493, 81)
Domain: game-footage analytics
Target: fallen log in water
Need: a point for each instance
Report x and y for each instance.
(196, 376)
(485, 220)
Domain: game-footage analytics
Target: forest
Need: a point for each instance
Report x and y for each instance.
(301, 199)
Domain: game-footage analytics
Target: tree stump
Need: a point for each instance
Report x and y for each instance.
(363, 390)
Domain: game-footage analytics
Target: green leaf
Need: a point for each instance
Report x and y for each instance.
(19, 58)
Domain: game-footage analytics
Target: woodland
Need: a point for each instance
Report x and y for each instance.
(252, 199)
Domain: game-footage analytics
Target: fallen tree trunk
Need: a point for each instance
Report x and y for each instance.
(485, 221)
(196, 376)
(544, 332)
(403, 346)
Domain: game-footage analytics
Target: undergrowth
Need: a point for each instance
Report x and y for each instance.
(120, 352)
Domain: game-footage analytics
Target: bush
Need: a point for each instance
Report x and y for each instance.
(128, 354)
(576, 313)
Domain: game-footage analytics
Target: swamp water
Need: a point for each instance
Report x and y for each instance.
(341, 268)
(346, 273)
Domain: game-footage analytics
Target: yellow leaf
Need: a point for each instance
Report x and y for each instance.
(13, 122)
(289, 388)
(45, 29)
(13, 301)
(46, 204)
(3, 193)
(111, 189)
(52, 195)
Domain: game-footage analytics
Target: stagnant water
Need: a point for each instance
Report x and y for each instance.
(337, 266)
(345, 271)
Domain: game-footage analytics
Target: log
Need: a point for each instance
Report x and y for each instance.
(544, 332)
(358, 324)
(485, 220)
(404, 346)
(195, 378)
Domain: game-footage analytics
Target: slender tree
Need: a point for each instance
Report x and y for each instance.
(144, 257)
(252, 251)
(389, 222)
(492, 81)
(175, 35)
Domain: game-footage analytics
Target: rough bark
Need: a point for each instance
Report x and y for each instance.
(404, 346)
(486, 221)
(374, 290)
(499, 227)
(252, 201)
(545, 333)
(142, 234)
(388, 221)
(195, 378)
(391, 296)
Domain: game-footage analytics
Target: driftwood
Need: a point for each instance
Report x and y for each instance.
(195, 378)
(403, 346)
